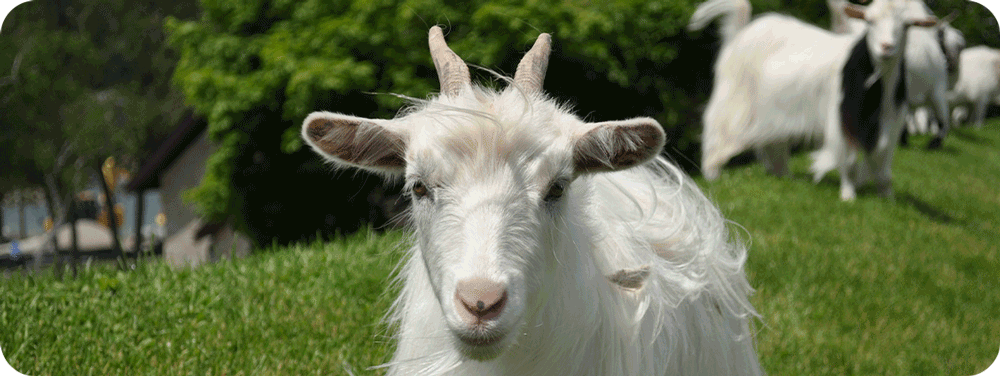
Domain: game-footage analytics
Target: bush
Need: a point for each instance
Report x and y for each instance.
(256, 68)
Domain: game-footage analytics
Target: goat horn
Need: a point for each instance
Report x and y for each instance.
(531, 70)
(452, 71)
(950, 17)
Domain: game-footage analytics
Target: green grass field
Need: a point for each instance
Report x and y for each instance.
(874, 287)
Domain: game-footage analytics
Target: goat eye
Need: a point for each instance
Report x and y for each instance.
(419, 190)
(556, 191)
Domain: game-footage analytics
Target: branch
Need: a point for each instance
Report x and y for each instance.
(67, 148)
(16, 66)
(52, 185)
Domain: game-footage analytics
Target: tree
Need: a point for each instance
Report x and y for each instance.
(256, 68)
(87, 80)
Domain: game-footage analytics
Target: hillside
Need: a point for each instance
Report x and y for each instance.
(894, 287)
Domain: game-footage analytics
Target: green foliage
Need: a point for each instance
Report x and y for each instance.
(87, 80)
(612, 59)
(974, 20)
(874, 287)
(297, 57)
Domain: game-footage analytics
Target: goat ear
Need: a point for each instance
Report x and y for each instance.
(354, 141)
(617, 145)
(854, 11)
(632, 279)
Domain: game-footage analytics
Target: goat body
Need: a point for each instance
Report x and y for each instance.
(546, 245)
(978, 81)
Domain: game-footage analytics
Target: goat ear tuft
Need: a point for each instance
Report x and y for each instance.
(632, 279)
(617, 145)
(854, 11)
(354, 141)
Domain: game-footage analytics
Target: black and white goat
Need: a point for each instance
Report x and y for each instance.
(779, 80)
(931, 56)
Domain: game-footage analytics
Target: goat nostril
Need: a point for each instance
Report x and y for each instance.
(483, 309)
(481, 299)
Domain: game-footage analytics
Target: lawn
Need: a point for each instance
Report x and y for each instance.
(909, 286)
(886, 287)
(305, 310)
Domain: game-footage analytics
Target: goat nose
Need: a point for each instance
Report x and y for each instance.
(887, 47)
(479, 299)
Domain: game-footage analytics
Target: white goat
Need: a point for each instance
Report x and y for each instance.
(978, 80)
(779, 79)
(952, 42)
(930, 55)
(545, 245)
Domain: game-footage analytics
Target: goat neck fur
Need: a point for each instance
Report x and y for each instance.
(862, 104)
(611, 261)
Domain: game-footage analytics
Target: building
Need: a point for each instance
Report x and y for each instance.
(176, 166)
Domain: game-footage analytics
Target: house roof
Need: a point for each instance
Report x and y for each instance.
(149, 173)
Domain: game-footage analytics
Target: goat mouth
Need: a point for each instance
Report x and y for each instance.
(481, 339)
(481, 346)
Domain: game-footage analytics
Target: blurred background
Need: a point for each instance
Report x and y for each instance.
(182, 117)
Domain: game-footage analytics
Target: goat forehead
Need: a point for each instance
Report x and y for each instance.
(518, 170)
(886, 16)
(496, 132)
(879, 9)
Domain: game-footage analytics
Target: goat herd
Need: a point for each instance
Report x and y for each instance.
(546, 245)
(779, 80)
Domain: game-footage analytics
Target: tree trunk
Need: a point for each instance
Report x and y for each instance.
(54, 190)
(109, 204)
(140, 206)
(22, 231)
(36, 258)
(57, 257)
(2, 238)
(74, 245)
(54, 202)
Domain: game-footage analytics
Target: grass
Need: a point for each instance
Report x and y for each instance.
(888, 287)
(877, 287)
(306, 310)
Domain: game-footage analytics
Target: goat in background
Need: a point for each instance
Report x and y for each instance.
(930, 61)
(779, 80)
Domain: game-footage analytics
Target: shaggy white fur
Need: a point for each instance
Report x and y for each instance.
(509, 186)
